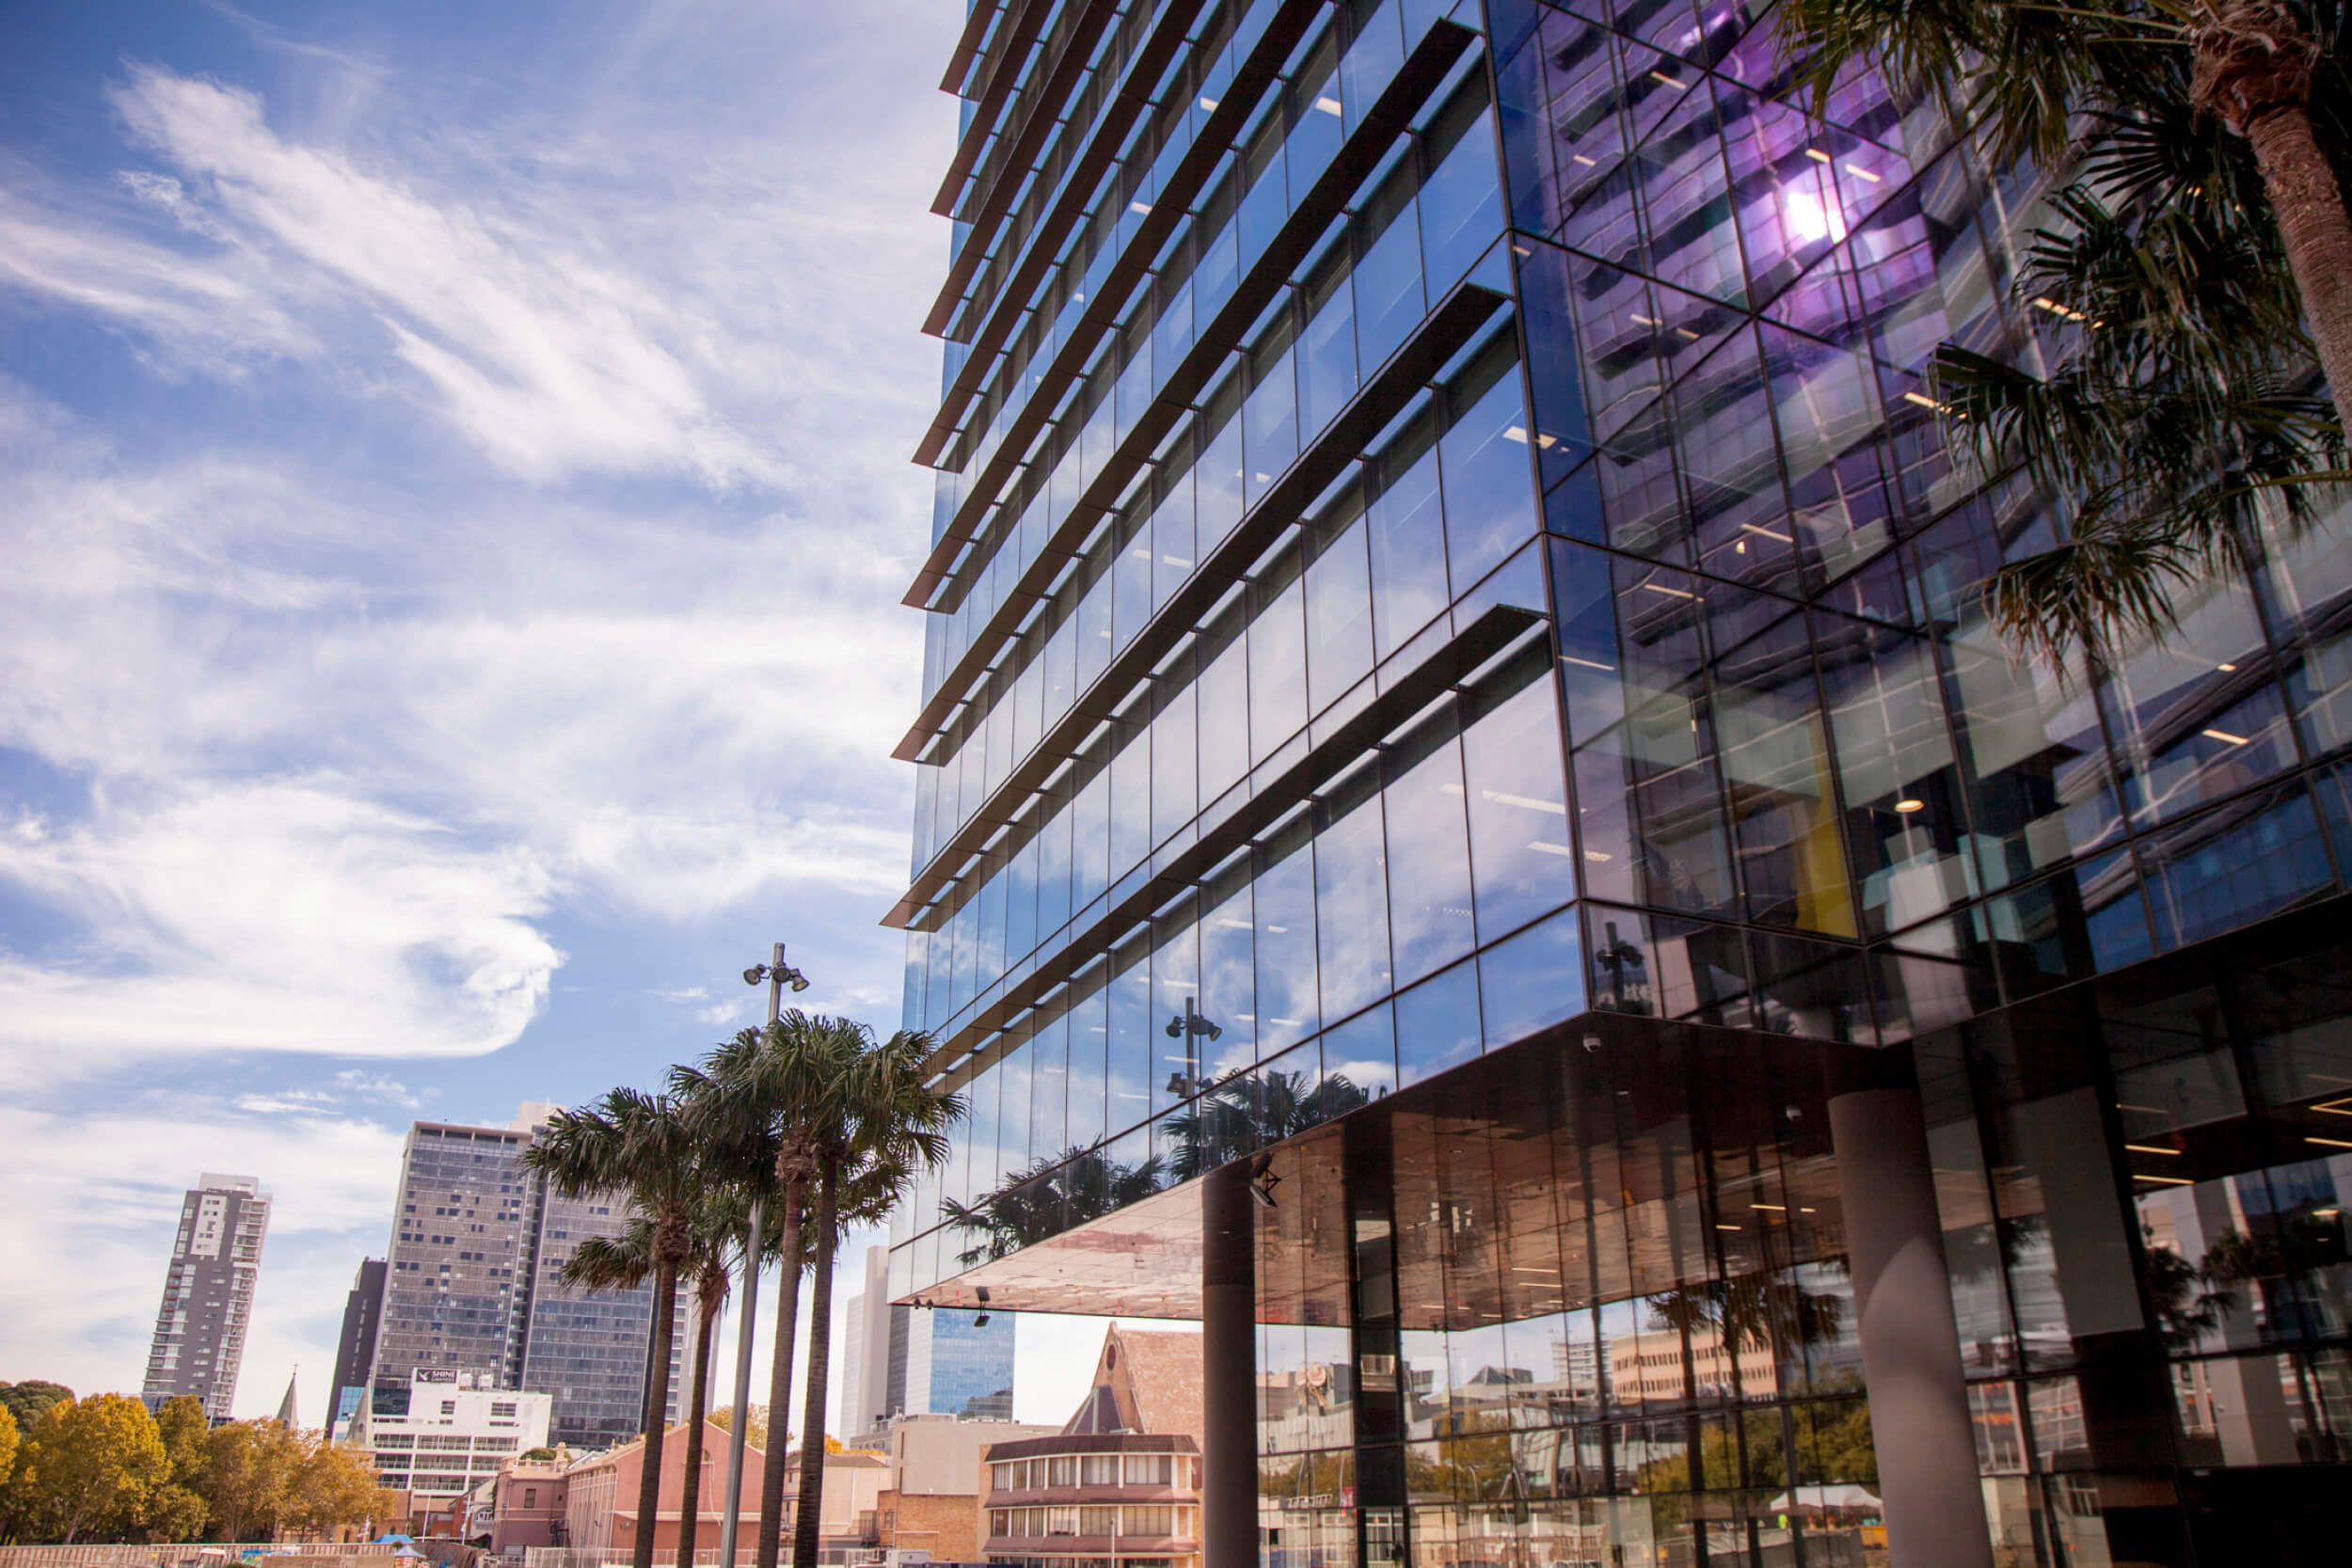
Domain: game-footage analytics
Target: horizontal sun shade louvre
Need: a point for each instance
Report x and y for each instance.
(1423, 70)
(968, 45)
(1066, 70)
(1046, 245)
(1249, 82)
(1234, 108)
(1389, 118)
(1496, 629)
(1454, 322)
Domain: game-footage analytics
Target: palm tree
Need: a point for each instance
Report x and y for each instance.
(2202, 228)
(623, 1261)
(644, 1147)
(748, 1097)
(2031, 77)
(882, 1122)
(786, 1099)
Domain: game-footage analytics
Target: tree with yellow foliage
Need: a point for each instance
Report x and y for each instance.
(175, 1508)
(87, 1469)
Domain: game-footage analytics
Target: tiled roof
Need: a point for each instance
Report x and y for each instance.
(1155, 1378)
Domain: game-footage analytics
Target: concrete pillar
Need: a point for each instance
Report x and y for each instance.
(1229, 1370)
(1927, 1452)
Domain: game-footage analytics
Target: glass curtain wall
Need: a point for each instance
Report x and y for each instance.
(1489, 578)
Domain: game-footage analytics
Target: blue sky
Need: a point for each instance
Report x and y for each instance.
(458, 499)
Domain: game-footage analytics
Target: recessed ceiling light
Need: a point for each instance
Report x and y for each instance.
(1908, 806)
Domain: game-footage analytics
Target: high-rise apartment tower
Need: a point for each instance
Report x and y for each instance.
(208, 1294)
(471, 1285)
(1473, 832)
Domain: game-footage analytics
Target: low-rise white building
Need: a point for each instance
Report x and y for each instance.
(459, 1427)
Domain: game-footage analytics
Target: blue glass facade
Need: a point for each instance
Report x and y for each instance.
(971, 1366)
(1450, 599)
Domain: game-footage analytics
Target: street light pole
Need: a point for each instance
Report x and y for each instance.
(740, 1427)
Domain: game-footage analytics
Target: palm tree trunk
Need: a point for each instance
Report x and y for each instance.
(657, 1379)
(698, 1409)
(2318, 236)
(780, 1374)
(804, 1532)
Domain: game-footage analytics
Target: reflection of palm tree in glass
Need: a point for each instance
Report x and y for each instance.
(1055, 1193)
(1752, 1311)
(2292, 1266)
(1249, 1110)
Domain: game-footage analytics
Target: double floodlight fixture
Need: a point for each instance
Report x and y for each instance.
(782, 973)
(1262, 1181)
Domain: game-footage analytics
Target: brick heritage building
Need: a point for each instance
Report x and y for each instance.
(1119, 1485)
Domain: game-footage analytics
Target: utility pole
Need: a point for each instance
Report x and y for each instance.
(774, 972)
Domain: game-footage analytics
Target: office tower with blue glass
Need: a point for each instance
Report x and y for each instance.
(1473, 836)
(898, 1361)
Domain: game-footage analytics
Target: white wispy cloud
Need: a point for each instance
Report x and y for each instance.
(516, 538)
(96, 1195)
(284, 916)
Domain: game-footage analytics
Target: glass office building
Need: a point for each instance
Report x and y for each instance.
(1472, 834)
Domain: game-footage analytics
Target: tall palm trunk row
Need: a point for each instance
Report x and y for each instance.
(827, 1127)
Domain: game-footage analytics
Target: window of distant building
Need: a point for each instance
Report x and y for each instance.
(530, 1496)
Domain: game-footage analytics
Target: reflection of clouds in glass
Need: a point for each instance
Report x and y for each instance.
(1351, 910)
(1429, 864)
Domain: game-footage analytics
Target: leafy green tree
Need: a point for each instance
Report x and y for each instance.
(88, 1468)
(643, 1146)
(2203, 147)
(25, 1400)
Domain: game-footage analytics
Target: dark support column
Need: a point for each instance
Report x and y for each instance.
(1229, 1370)
(1927, 1452)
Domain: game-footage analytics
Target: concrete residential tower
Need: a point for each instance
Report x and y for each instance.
(208, 1294)
(472, 1286)
(1472, 834)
